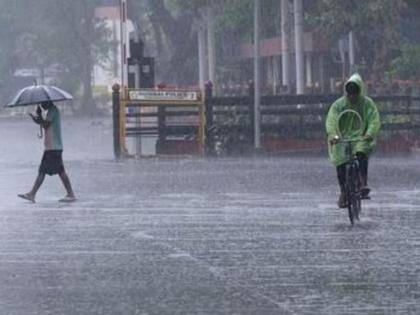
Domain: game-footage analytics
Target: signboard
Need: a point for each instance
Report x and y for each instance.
(166, 96)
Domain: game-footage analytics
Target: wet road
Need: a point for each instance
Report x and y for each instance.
(229, 236)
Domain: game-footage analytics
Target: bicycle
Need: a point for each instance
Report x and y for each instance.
(353, 194)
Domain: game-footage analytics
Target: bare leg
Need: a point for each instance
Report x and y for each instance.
(38, 182)
(67, 185)
(363, 163)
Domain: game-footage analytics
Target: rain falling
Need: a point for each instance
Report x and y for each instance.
(209, 157)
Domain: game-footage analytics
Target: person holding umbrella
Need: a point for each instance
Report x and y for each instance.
(52, 162)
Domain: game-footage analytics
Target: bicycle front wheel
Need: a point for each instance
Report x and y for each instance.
(353, 204)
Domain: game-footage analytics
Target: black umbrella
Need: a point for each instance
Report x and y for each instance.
(37, 94)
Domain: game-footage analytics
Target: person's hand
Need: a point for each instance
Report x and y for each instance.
(39, 111)
(368, 138)
(334, 140)
(36, 119)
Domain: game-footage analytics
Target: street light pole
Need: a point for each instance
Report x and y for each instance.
(257, 85)
(351, 53)
(298, 13)
(285, 54)
(201, 56)
(211, 44)
(124, 48)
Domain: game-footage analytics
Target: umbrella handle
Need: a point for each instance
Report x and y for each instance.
(40, 133)
(39, 111)
(39, 114)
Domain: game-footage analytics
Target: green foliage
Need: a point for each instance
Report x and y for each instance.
(407, 65)
(170, 27)
(238, 15)
(374, 23)
(339, 17)
(231, 14)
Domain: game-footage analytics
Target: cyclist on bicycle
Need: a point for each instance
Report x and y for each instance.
(354, 98)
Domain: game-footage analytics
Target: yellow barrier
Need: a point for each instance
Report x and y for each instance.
(161, 99)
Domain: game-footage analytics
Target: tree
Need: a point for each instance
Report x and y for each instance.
(407, 65)
(53, 34)
(374, 22)
(175, 40)
(170, 26)
(77, 42)
(11, 30)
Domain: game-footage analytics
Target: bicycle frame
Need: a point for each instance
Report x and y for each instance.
(352, 185)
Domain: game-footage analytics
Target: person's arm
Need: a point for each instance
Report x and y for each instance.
(331, 124)
(39, 120)
(373, 122)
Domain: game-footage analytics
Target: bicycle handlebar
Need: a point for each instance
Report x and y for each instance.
(359, 131)
(356, 139)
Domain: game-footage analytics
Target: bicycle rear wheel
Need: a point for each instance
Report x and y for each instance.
(350, 207)
(353, 202)
(356, 206)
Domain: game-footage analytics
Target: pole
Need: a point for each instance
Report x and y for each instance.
(285, 55)
(116, 119)
(211, 44)
(351, 52)
(124, 46)
(201, 56)
(308, 69)
(298, 13)
(257, 85)
(208, 112)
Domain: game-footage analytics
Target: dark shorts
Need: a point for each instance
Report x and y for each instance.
(52, 162)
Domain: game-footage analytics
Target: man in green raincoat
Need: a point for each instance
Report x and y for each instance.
(354, 98)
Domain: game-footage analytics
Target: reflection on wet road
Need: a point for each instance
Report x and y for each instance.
(229, 236)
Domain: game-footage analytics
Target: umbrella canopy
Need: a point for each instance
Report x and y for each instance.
(37, 94)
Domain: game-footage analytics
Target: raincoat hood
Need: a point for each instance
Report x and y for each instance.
(357, 79)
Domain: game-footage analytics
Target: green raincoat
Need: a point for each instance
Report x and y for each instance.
(350, 123)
